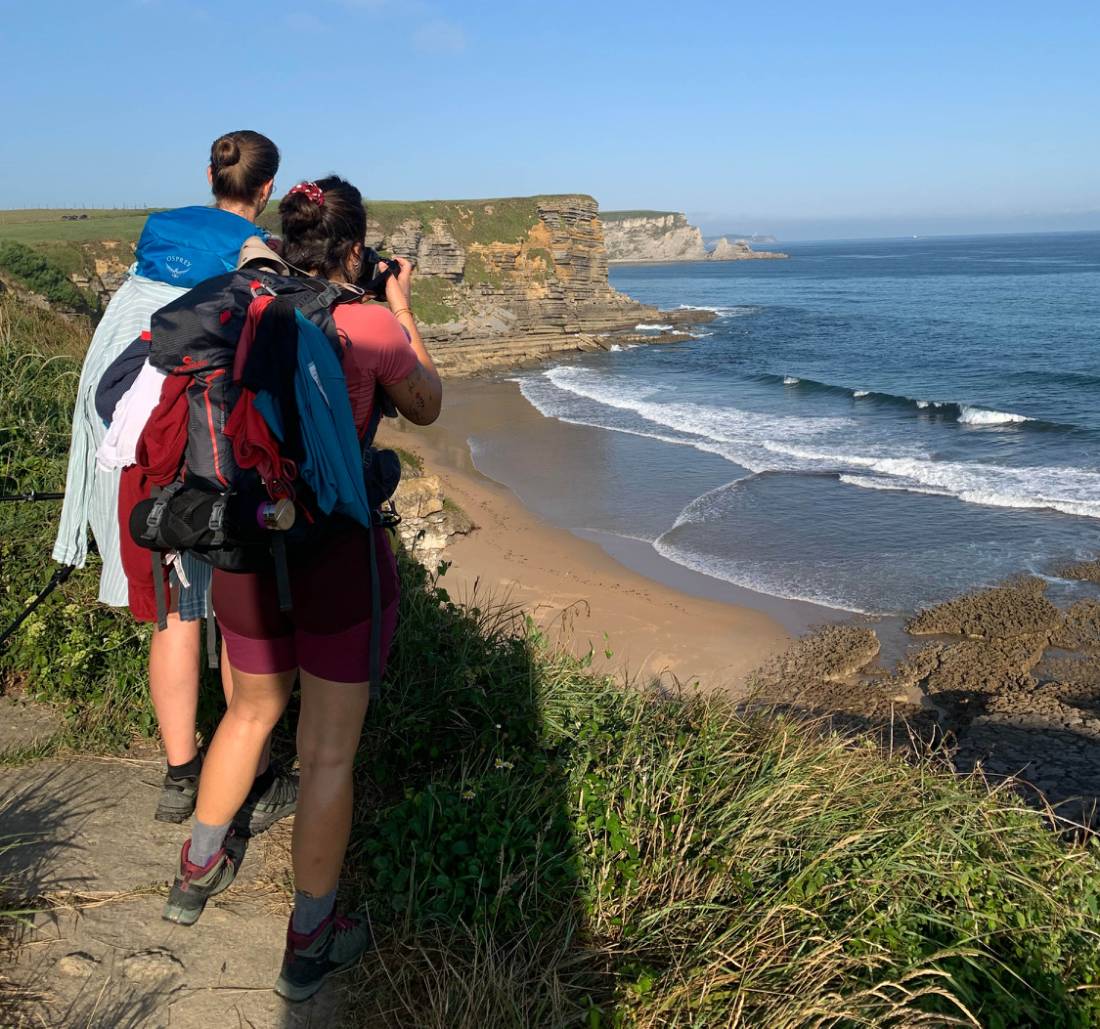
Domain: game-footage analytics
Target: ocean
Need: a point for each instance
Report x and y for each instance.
(870, 426)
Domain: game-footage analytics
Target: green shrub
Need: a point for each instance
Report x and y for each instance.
(38, 273)
(88, 659)
(432, 300)
(477, 272)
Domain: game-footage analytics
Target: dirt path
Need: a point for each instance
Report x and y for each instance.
(96, 953)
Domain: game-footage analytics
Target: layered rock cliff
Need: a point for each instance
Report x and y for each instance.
(509, 281)
(652, 236)
(492, 267)
(658, 237)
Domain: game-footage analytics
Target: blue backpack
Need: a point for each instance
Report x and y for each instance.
(190, 244)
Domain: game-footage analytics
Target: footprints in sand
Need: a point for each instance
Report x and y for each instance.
(95, 952)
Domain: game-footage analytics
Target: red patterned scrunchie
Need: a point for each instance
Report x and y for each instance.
(312, 191)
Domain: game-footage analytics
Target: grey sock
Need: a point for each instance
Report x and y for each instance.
(310, 911)
(206, 841)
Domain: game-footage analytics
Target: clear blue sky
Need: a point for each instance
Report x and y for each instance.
(808, 119)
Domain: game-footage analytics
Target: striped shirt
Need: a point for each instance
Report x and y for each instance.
(91, 494)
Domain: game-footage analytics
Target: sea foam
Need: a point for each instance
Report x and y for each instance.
(980, 416)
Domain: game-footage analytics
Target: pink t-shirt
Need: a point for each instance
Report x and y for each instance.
(378, 353)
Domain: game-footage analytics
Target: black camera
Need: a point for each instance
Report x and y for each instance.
(372, 279)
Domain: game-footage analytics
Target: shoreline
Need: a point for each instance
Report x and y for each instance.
(653, 624)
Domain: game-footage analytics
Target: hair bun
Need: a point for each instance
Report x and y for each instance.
(226, 152)
(299, 214)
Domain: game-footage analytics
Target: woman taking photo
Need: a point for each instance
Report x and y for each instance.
(177, 250)
(325, 640)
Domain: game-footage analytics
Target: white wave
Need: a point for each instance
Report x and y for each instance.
(739, 311)
(731, 572)
(700, 509)
(614, 348)
(716, 424)
(761, 442)
(922, 404)
(861, 393)
(980, 416)
(643, 327)
(790, 380)
(1071, 491)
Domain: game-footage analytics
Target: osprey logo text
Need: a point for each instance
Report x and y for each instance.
(177, 265)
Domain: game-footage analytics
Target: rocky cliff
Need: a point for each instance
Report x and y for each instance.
(663, 236)
(739, 250)
(505, 276)
(652, 236)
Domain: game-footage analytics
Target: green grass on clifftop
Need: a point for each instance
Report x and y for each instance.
(42, 226)
(501, 220)
(494, 220)
(619, 216)
(539, 846)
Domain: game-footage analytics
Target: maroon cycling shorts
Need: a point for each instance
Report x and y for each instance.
(327, 631)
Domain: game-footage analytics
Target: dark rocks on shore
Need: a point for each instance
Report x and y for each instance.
(1010, 610)
(1011, 691)
(1082, 571)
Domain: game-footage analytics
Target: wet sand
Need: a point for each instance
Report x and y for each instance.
(667, 622)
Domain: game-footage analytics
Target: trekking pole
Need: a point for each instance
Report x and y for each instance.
(58, 578)
(31, 496)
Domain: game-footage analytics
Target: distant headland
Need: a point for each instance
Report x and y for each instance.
(636, 237)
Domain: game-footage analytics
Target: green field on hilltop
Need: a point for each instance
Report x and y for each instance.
(38, 225)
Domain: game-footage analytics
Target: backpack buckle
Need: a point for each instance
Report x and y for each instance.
(217, 519)
(156, 512)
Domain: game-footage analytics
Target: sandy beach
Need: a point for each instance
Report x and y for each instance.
(574, 588)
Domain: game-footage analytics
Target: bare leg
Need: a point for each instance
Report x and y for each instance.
(329, 726)
(174, 686)
(230, 766)
(227, 689)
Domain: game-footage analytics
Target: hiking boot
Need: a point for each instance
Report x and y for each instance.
(337, 943)
(177, 799)
(262, 808)
(196, 884)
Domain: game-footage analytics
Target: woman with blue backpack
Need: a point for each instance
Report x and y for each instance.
(177, 249)
(338, 627)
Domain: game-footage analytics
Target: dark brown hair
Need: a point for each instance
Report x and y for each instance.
(321, 236)
(240, 163)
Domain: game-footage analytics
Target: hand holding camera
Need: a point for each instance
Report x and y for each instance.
(386, 279)
(399, 283)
